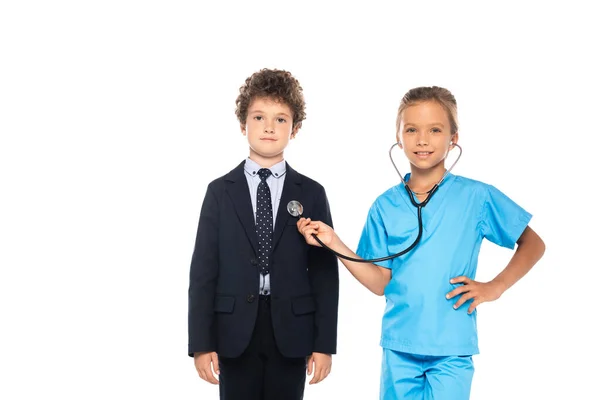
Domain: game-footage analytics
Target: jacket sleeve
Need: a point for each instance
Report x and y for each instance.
(203, 278)
(324, 277)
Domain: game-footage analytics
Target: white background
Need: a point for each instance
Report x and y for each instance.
(115, 115)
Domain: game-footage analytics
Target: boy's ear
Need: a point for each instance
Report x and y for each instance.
(296, 129)
(243, 129)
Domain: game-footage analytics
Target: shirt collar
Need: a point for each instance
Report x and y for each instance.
(277, 170)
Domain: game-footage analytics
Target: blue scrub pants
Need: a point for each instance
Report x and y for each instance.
(407, 376)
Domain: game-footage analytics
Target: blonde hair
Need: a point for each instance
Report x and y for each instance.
(430, 93)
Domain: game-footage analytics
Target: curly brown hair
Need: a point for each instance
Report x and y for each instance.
(275, 84)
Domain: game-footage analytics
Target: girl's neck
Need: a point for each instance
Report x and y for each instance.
(424, 180)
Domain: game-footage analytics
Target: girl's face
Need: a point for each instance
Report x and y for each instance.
(425, 135)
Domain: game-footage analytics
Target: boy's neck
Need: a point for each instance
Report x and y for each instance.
(265, 162)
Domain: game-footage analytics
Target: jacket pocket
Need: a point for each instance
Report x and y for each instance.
(303, 305)
(224, 304)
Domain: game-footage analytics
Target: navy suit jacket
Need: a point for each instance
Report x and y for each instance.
(224, 275)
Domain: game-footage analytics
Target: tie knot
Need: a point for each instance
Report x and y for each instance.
(264, 173)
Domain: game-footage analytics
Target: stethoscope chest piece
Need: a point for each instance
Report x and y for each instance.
(294, 208)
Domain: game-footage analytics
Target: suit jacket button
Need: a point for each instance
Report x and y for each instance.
(254, 261)
(250, 298)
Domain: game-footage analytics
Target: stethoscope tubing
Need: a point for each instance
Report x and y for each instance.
(419, 207)
(409, 248)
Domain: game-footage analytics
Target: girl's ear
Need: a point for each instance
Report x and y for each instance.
(454, 139)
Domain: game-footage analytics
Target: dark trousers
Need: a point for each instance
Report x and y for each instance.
(261, 372)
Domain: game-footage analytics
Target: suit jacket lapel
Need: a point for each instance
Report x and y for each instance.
(239, 193)
(291, 191)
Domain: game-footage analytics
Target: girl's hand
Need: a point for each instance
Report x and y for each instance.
(478, 291)
(307, 228)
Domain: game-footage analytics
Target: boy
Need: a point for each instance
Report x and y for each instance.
(260, 299)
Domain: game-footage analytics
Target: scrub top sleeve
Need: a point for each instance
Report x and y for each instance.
(503, 220)
(373, 240)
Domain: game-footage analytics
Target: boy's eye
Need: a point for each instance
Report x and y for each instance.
(281, 120)
(258, 118)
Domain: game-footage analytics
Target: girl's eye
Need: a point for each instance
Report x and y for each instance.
(411, 130)
(436, 130)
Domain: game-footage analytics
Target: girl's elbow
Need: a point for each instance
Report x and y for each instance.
(542, 247)
(379, 291)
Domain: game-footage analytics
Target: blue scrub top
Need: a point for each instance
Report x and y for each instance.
(418, 318)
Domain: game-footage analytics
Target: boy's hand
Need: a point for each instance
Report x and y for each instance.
(307, 227)
(478, 291)
(203, 362)
(322, 367)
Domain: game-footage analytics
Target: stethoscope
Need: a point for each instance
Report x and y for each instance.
(295, 209)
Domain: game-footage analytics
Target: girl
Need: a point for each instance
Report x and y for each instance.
(429, 328)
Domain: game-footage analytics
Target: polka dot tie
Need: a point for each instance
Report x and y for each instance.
(264, 221)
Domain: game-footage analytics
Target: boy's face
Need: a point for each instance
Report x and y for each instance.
(269, 128)
(425, 134)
